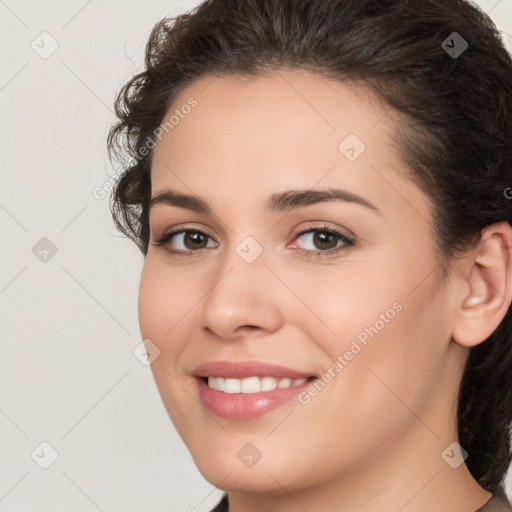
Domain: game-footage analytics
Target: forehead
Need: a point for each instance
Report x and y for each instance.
(277, 111)
(287, 128)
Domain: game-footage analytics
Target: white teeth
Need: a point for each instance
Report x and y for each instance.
(268, 383)
(232, 385)
(251, 384)
(284, 383)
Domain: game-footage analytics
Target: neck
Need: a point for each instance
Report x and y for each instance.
(421, 483)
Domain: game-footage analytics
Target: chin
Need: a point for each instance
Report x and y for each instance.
(222, 465)
(241, 479)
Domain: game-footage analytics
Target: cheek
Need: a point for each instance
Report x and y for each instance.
(394, 352)
(388, 318)
(163, 305)
(150, 302)
(162, 302)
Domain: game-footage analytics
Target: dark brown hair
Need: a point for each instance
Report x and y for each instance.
(456, 138)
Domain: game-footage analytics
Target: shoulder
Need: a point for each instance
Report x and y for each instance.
(497, 503)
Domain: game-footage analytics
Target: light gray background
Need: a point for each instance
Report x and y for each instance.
(68, 375)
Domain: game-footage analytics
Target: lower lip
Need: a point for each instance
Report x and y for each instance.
(245, 406)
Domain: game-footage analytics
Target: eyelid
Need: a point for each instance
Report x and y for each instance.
(184, 227)
(320, 225)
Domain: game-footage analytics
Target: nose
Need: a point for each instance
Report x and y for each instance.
(242, 300)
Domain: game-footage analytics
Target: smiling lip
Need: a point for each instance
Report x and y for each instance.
(246, 406)
(242, 369)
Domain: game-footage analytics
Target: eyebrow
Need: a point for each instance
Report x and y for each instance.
(279, 202)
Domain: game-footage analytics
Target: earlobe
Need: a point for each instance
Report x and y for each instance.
(489, 281)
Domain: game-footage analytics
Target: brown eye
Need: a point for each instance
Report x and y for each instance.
(323, 240)
(185, 241)
(194, 240)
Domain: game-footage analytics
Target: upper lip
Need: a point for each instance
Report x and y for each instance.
(242, 369)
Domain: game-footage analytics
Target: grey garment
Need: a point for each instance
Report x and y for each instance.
(498, 502)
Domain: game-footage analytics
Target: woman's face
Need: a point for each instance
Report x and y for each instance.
(260, 286)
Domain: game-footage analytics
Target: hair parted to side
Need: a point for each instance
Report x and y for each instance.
(456, 139)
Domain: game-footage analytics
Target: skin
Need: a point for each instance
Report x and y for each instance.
(372, 439)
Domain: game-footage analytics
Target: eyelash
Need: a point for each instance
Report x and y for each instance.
(348, 242)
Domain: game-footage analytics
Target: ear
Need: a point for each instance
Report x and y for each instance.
(488, 277)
